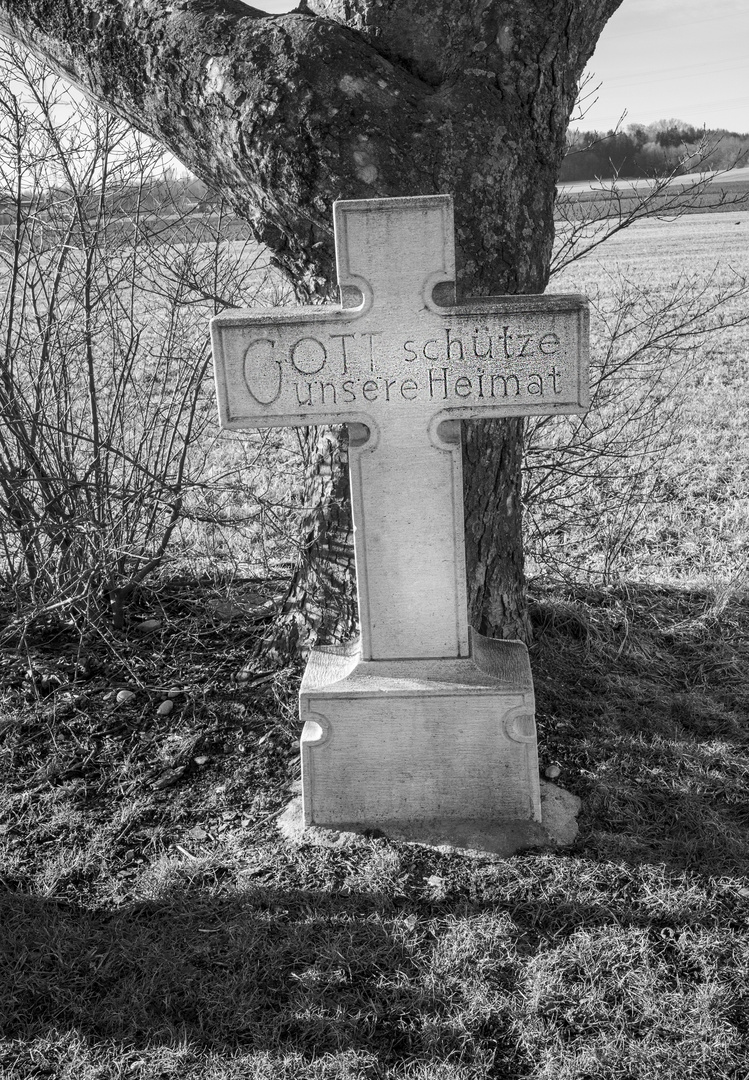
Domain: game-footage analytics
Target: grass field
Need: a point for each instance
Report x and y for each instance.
(152, 924)
(722, 192)
(686, 522)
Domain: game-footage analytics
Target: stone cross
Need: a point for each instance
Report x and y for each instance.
(401, 363)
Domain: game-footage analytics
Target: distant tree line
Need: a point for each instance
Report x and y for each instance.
(657, 149)
(161, 194)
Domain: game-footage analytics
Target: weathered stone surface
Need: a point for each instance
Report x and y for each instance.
(469, 837)
(559, 810)
(405, 744)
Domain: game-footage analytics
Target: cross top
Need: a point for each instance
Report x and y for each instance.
(394, 359)
(395, 250)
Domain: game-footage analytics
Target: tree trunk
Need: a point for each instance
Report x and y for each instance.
(358, 99)
(492, 452)
(320, 606)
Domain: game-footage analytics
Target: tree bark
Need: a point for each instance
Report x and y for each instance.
(358, 99)
(321, 604)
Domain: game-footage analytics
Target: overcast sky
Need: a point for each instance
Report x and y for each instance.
(663, 59)
(685, 59)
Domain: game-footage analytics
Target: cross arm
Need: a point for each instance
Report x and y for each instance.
(398, 358)
(487, 357)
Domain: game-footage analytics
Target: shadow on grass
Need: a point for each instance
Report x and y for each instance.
(280, 970)
(643, 700)
(329, 983)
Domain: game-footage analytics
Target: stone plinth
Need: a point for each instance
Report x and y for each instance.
(405, 744)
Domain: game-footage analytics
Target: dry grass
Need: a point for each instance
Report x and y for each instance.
(662, 701)
(673, 506)
(153, 925)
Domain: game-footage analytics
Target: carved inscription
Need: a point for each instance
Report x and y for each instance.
(477, 366)
(392, 356)
(474, 362)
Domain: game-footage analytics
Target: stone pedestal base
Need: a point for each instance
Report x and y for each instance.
(408, 746)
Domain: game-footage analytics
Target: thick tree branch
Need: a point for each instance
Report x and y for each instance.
(284, 114)
(438, 41)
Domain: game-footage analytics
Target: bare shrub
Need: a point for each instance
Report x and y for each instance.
(592, 483)
(108, 274)
(587, 219)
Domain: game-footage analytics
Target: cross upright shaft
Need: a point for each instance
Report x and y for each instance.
(406, 474)
(401, 369)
